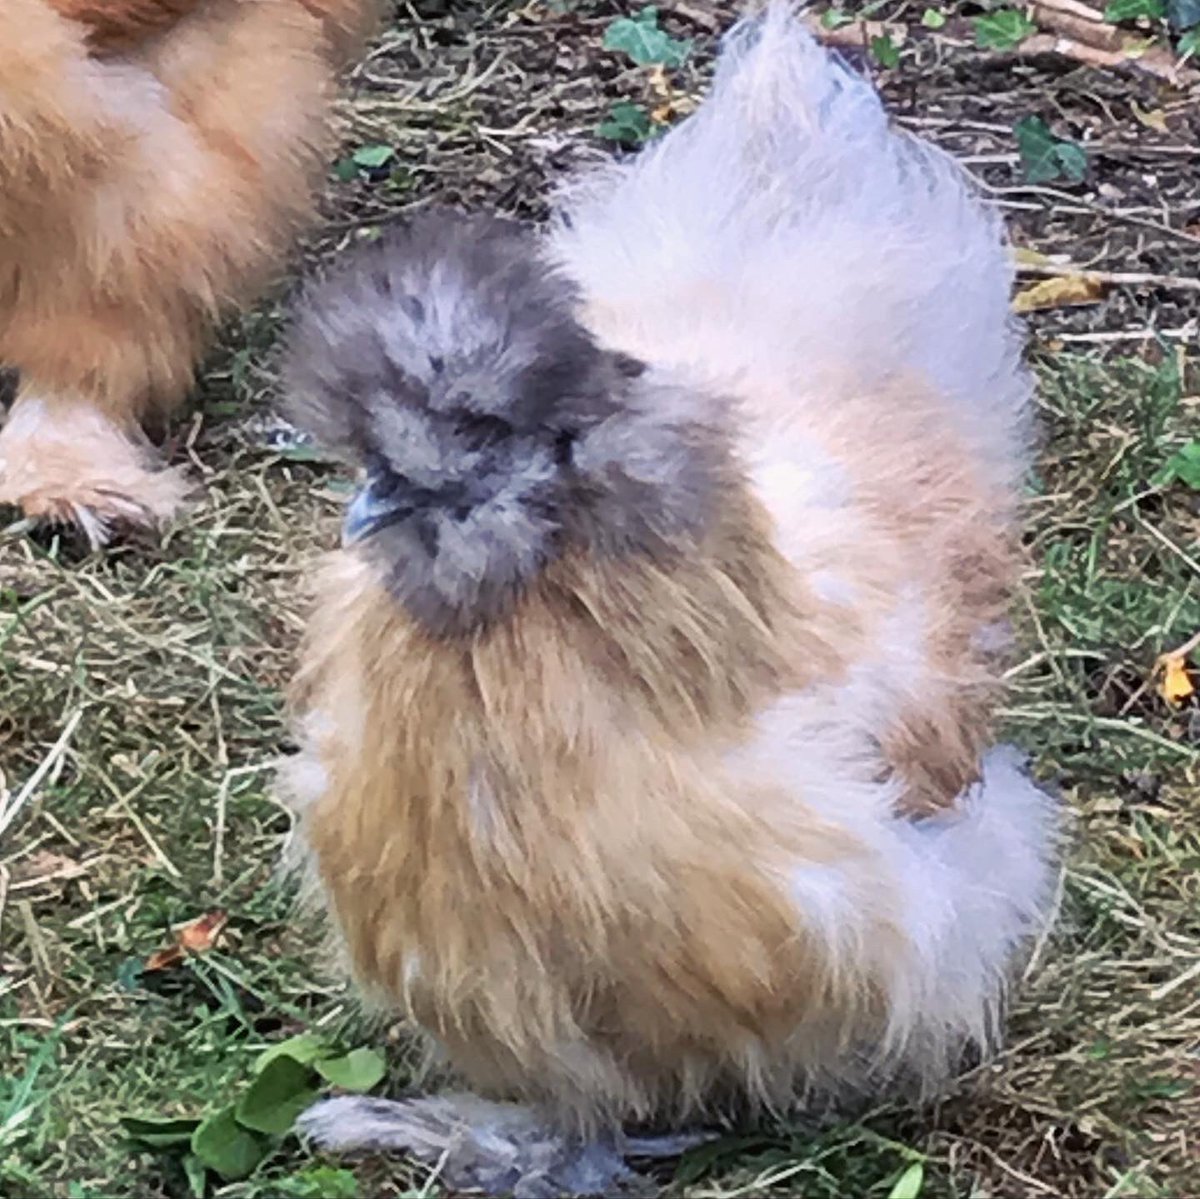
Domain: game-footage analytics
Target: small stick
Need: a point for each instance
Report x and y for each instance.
(1118, 335)
(1183, 650)
(1134, 278)
(1083, 12)
(1085, 30)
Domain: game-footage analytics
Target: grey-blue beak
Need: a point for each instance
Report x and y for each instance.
(366, 512)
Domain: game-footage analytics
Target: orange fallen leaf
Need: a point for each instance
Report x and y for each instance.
(1061, 291)
(198, 936)
(1176, 684)
(163, 959)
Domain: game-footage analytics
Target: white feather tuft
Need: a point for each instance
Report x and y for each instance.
(786, 225)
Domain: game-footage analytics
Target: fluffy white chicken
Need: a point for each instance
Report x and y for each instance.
(646, 707)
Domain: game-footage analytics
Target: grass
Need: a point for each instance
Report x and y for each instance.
(143, 690)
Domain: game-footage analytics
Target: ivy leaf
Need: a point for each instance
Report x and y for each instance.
(304, 1049)
(1045, 157)
(627, 123)
(1183, 14)
(276, 1097)
(1004, 29)
(908, 1185)
(358, 1070)
(1134, 10)
(224, 1146)
(643, 41)
(886, 52)
(319, 1182)
(371, 158)
(933, 18)
(1184, 466)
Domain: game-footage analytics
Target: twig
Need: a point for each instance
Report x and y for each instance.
(1083, 12)
(1186, 648)
(1160, 65)
(1132, 278)
(9, 813)
(1089, 30)
(1119, 335)
(1186, 977)
(1164, 540)
(1065, 198)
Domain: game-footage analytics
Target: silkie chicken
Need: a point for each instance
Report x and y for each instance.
(645, 710)
(156, 159)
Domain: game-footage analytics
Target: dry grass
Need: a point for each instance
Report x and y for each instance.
(142, 710)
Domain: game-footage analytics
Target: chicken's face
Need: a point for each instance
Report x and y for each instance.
(490, 428)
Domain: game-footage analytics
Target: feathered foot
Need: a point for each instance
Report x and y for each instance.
(496, 1148)
(67, 463)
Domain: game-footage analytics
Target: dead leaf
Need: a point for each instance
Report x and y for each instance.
(45, 867)
(1153, 118)
(1061, 291)
(198, 936)
(1024, 256)
(1176, 684)
(163, 959)
(201, 934)
(659, 82)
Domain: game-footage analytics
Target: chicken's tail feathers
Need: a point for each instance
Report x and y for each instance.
(814, 230)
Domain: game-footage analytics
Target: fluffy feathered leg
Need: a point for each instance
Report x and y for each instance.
(68, 463)
(140, 197)
(497, 1148)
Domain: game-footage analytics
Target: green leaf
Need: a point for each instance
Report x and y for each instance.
(1004, 29)
(277, 1096)
(1190, 42)
(835, 18)
(345, 170)
(933, 18)
(304, 1049)
(641, 39)
(1072, 160)
(1045, 157)
(1184, 466)
(908, 1185)
(223, 1145)
(885, 51)
(1183, 14)
(197, 1175)
(372, 157)
(359, 1070)
(628, 123)
(159, 1134)
(1133, 10)
(319, 1182)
